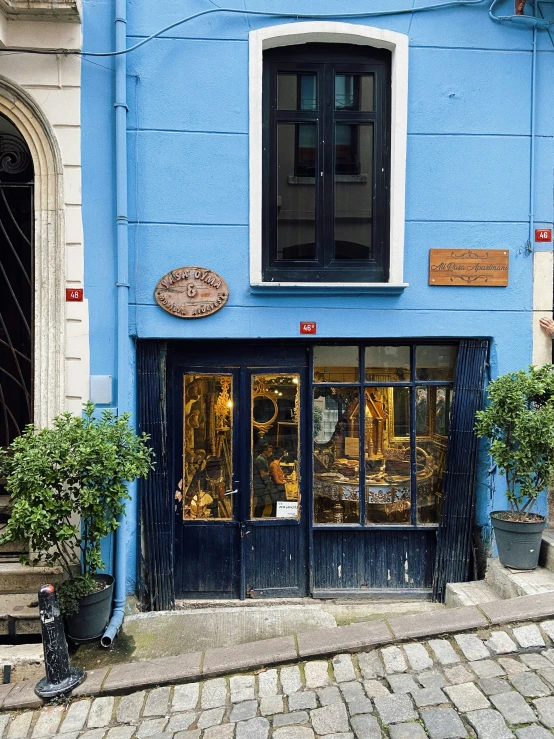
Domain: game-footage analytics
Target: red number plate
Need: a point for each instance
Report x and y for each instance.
(543, 234)
(73, 294)
(306, 327)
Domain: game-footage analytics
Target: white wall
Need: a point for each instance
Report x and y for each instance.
(54, 83)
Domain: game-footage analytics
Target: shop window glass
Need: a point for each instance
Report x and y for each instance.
(205, 489)
(336, 455)
(336, 364)
(275, 438)
(431, 452)
(387, 455)
(387, 363)
(436, 362)
(402, 449)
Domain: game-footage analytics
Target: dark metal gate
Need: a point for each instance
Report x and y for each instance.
(16, 295)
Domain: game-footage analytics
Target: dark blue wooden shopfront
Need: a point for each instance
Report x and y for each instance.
(363, 433)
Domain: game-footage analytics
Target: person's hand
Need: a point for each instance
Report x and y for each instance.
(547, 325)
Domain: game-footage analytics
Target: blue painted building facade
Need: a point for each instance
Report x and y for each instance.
(479, 159)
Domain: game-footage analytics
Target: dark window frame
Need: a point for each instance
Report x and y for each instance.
(328, 60)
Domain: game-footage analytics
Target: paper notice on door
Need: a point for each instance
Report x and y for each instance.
(287, 509)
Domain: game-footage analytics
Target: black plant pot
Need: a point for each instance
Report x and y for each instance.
(93, 615)
(518, 542)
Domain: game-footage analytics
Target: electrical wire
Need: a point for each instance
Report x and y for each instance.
(521, 20)
(241, 11)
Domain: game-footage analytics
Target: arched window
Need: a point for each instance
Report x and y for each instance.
(326, 111)
(327, 139)
(16, 282)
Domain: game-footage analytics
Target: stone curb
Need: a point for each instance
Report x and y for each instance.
(359, 637)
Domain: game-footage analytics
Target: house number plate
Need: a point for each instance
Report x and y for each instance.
(191, 292)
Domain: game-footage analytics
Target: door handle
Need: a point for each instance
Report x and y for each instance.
(231, 492)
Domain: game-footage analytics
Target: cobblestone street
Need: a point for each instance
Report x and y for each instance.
(494, 685)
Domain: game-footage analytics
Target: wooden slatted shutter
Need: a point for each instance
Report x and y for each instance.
(458, 502)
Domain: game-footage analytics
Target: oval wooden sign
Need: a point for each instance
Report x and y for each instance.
(191, 292)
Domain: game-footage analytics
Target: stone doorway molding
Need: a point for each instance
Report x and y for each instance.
(49, 251)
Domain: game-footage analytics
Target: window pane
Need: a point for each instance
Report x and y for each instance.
(354, 92)
(435, 362)
(207, 447)
(336, 364)
(275, 450)
(353, 190)
(296, 92)
(431, 455)
(336, 432)
(387, 455)
(296, 158)
(384, 363)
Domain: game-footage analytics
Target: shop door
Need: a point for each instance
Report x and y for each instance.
(274, 539)
(238, 470)
(207, 491)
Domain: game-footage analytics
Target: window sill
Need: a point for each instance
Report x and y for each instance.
(333, 288)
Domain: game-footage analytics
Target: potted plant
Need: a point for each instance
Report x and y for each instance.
(519, 422)
(67, 490)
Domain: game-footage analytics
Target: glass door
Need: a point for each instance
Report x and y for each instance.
(207, 492)
(274, 543)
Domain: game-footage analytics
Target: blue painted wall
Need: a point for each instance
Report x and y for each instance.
(468, 174)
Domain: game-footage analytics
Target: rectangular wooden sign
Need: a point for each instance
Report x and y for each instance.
(469, 267)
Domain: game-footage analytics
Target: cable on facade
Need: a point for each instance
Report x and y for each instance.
(242, 11)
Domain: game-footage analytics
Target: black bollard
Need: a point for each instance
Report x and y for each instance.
(60, 677)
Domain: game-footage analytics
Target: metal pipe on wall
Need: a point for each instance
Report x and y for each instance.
(532, 152)
(122, 284)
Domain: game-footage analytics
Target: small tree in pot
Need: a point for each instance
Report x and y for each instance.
(519, 422)
(67, 490)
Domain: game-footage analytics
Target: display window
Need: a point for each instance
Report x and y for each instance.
(380, 428)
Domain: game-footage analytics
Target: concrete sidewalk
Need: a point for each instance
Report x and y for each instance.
(357, 637)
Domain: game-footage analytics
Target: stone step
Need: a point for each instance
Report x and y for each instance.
(510, 583)
(469, 594)
(16, 578)
(547, 550)
(19, 615)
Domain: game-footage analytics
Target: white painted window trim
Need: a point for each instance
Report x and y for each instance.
(339, 33)
(49, 267)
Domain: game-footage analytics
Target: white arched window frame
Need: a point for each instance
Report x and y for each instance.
(292, 34)
(49, 251)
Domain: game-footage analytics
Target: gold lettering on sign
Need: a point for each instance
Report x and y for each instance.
(191, 292)
(469, 267)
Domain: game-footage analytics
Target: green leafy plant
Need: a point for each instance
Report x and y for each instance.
(519, 423)
(67, 490)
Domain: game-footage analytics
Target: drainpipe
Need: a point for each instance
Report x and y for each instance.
(533, 137)
(122, 285)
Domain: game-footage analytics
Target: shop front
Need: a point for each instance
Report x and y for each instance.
(298, 468)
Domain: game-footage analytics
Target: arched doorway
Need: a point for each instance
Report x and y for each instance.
(16, 282)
